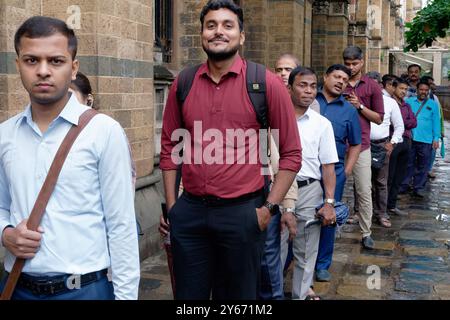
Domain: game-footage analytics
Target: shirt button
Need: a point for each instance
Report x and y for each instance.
(218, 88)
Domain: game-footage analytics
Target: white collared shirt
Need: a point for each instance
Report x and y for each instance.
(89, 222)
(318, 144)
(392, 115)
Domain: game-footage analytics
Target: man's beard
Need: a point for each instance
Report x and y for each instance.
(49, 99)
(222, 55)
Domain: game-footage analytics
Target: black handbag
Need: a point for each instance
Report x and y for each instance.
(378, 152)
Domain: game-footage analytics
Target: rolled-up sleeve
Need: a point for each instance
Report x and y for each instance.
(282, 118)
(118, 203)
(172, 120)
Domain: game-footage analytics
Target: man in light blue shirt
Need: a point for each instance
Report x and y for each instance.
(425, 137)
(89, 222)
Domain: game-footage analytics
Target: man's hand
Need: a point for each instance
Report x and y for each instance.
(435, 145)
(163, 226)
(288, 221)
(353, 99)
(263, 215)
(21, 242)
(389, 147)
(347, 172)
(328, 213)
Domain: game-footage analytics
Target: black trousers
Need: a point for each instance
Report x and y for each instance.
(398, 165)
(216, 249)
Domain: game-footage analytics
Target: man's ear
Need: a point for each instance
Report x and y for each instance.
(75, 67)
(242, 38)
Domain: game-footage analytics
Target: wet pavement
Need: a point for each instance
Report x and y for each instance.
(410, 260)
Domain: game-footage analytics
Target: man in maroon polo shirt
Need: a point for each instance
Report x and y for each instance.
(218, 224)
(365, 95)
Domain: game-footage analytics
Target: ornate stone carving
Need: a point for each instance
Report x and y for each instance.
(339, 7)
(321, 7)
(352, 29)
(361, 29)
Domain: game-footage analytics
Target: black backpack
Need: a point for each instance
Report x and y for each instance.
(256, 89)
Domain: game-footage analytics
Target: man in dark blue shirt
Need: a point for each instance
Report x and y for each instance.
(347, 134)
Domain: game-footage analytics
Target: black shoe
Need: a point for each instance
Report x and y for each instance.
(398, 212)
(418, 194)
(368, 243)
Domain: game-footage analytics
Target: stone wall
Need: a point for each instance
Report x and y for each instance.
(443, 93)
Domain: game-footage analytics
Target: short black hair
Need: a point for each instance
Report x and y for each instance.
(422, 82)
(400, 80)
(300, 71)
(339, 67)
(427, 78)
(353, 53)
(414, 65)
(42, 27)
(219, 4)
(389, 79)
(375, 75)
(82, 83)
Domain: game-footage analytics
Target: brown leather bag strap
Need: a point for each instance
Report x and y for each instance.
(34, 220)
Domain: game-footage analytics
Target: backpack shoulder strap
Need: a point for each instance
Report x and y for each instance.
(185, 80)
(256, 88)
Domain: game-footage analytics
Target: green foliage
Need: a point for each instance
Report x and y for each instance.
(431, 22)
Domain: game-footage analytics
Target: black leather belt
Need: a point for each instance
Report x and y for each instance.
(305, 182)
(380, 140)
(45, 285)
(216, 201)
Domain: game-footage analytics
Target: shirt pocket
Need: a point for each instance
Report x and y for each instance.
(339, 130)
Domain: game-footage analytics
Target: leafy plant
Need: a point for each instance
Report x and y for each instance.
(431, 22)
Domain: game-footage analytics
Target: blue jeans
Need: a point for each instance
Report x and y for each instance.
(418, 164)
(101, 289)
(327, 234)
(271, 273)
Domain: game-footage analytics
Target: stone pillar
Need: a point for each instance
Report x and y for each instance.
(188, 40)
(286, 25)
(307, 34)
(361, 30)
(337, 31)
(256, 24)
(12, 95)
(329, 33)
(319, 58)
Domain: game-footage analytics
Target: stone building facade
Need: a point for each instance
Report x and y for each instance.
(132, 49)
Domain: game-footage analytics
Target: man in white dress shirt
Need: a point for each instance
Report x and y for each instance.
(89, 222)
(318, 158)
(380, 137)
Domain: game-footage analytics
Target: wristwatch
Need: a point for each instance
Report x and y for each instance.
(273, 208)
(286, 210)
(329, 201)
(361, 107)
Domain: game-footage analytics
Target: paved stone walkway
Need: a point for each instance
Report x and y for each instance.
(411, 258)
